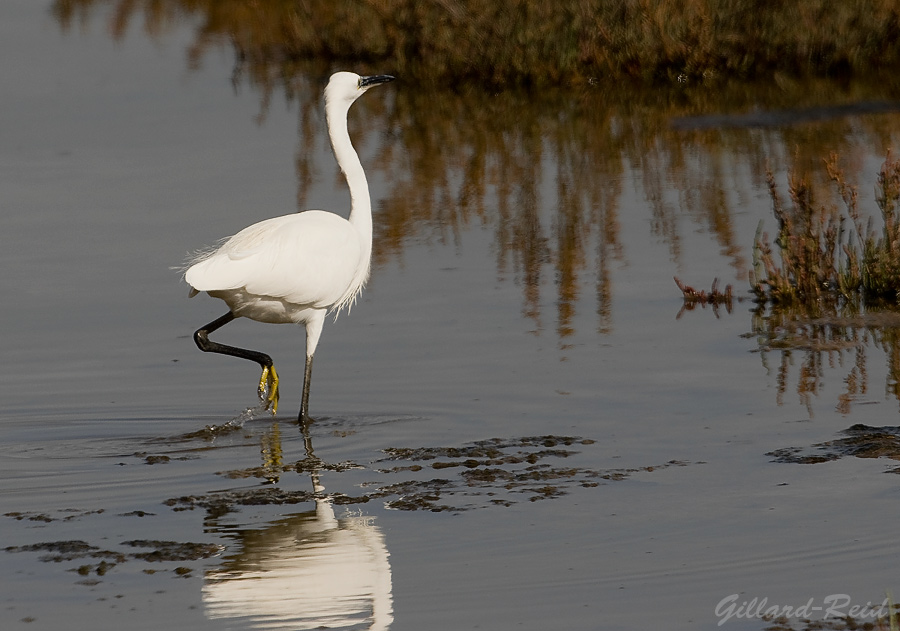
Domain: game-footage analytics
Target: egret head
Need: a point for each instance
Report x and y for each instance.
(349, 86)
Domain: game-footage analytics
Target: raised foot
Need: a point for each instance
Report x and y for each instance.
(268, 389)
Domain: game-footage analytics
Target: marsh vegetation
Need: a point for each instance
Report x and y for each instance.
(825, 257)
(524, 42)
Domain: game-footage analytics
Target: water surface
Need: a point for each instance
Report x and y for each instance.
(515, 428)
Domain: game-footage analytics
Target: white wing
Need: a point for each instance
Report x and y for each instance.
(309, 258)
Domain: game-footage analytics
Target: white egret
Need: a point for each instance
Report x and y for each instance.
(299, 267)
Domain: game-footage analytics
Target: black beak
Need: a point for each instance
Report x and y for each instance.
(368, 82)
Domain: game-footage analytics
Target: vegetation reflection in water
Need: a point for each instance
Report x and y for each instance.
(545, 172)
(829, 284)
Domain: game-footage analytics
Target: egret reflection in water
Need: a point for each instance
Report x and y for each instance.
(310, 570)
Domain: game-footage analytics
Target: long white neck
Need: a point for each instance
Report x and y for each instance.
(360, 202)
(348, 160)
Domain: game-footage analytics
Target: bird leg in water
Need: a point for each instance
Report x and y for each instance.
(268, 382)
(304, 401)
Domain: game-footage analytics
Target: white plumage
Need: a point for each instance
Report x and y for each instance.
(299, 267)
(279, 269)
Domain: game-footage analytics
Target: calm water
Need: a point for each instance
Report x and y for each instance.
(516, 430)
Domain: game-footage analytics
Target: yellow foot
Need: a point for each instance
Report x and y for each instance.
(268, 388)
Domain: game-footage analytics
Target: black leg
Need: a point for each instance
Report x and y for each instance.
(268, 381)
(201, 337)
(304, 401)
